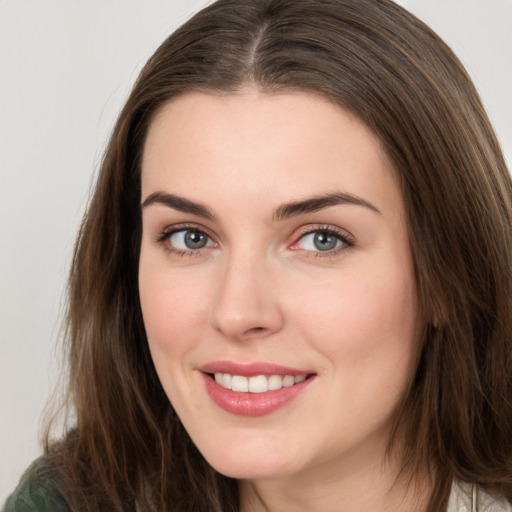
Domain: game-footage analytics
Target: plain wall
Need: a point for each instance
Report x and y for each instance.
(65, 68)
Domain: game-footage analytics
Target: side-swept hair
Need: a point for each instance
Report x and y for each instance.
(374, 58)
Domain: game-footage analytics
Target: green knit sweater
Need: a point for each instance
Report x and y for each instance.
(38, 491)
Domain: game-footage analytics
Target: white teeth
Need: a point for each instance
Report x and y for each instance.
(226, 380)
(288, 381)
(275, 382)
(258, 383)
(240, 383)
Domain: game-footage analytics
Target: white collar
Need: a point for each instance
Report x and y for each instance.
(467, 497)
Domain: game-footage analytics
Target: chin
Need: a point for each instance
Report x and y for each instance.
(244, 471)
(243, 465)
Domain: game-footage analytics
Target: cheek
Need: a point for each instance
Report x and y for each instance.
(364, 316)
(174, 313)
(365, 325)
(173, 308)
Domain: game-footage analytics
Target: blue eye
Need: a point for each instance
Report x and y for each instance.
(322, 241)
(189, 240)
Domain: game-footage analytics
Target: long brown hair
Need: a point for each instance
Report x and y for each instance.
(374, 58)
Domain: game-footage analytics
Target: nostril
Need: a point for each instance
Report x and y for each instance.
(255, 330)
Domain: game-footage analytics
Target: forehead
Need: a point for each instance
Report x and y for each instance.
(280, 145)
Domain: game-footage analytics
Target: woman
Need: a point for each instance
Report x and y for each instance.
(292, 286)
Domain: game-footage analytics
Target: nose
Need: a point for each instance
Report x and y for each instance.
(247, 303)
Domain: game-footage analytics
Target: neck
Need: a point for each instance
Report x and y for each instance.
(379, 488)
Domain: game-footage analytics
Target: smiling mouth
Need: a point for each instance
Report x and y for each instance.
(254, 389)
(257, 383)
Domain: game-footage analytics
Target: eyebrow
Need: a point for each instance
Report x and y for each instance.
(285, 211)
(178, 203)
(316, 203)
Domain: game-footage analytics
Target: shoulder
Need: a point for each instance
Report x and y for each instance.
(37, 491)
(463, 495)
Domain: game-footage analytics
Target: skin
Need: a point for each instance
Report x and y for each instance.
(260, 290)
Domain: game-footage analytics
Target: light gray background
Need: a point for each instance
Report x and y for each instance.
(65, 68)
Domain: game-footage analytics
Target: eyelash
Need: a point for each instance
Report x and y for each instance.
(166, 234)
(346, 240)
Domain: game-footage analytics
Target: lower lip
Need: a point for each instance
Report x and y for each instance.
(252, 404)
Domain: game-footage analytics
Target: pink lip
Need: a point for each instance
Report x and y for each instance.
(251, 404)
(252, 369)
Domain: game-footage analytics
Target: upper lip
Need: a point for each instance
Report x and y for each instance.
(251, 369)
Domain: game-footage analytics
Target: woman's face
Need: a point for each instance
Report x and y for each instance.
(275, 260)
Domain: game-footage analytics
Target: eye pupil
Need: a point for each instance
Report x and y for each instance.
(325, 241)
(195, 239)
